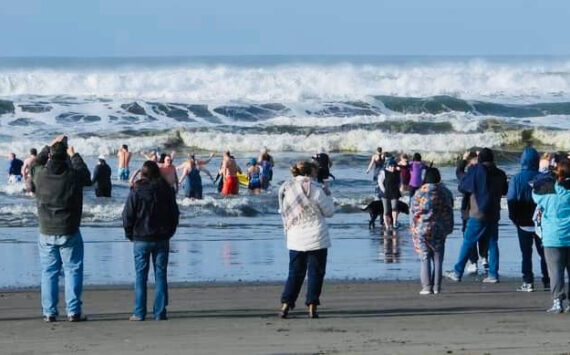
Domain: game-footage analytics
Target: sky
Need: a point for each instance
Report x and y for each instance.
(118, 28)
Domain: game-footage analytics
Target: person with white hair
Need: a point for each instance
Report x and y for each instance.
(102, 178)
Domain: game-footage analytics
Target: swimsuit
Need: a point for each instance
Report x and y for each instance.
(231, 186)
(123, 174)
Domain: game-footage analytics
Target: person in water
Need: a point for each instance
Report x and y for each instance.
(102, 178)
(324, 164)
(405, 176)
(27, 169)
(150, 219)
(229, 171)
(416, 169)
(431, 220)
(266, 164)
(389, 185)
(200, 164)
(168, 172)
(304, 205)
(254, 177)
(14, 169)
(124, 159)
(191, 181)
(377, 162)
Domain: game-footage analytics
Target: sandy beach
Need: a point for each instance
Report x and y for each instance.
(356, 317)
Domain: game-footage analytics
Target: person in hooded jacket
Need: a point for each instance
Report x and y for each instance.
(102, 178)
(485, 184)
(150, 218)
(521, 209)
(431, 220)
(554, 201)
(58, 177)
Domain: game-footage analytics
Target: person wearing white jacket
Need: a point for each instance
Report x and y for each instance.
(304, 204)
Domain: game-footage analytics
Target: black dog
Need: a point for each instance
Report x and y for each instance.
(376, 209)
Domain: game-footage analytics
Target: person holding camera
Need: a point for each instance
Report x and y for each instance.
(58, 177)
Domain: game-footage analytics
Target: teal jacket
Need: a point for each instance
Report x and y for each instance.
(555, 216)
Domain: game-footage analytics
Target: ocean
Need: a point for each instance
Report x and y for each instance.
(438, 106)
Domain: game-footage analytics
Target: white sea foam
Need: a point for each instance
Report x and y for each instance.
(526, 81)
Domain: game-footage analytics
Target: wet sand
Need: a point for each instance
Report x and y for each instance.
(357, 317)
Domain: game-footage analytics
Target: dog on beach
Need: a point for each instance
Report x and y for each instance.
(376, 209)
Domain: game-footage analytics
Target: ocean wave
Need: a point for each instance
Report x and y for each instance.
(296, 82)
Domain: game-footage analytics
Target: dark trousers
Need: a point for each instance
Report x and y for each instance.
(558, 260)
(526, 240)
(311, 263)
(481, 249)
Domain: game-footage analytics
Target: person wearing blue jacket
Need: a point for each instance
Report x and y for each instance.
(521, 209)
(485, 184)
(554, 203)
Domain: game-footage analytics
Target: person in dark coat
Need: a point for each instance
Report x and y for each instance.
(102, 178)
(485, 184)
(58, 177)
(521, 211)
(150, 218)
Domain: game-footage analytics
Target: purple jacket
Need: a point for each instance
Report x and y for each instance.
(416, 168)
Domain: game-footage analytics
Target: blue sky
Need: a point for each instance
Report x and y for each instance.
(243, 27)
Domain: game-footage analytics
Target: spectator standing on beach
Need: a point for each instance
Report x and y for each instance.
(389, 185)
(27, 169)
(102, 178)
(485, 184)
(150, 218)
(304, 205)
(58, 177)
(124, 158)
(431, 220)
(14, 169)
(376, 163)
(553, 199)
(481, 249)
(521, 209)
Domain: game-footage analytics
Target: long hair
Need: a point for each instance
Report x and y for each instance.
(150, 171)
(563, 171)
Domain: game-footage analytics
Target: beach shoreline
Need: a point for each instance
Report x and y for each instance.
(356, 317)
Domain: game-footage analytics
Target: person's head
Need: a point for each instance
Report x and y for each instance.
(228, 154)
(471, 157)
(125, 147)
(11, 155)
(432, 176)
(322, 150)
(390, 164)
(101, 159)
(563, 171)
(304, 168)
(167, 160)
(33, 152)
(252, 162)
(530, 159)
(150, 171)
(417, 157)
(264, 151)
(486, 156)
(58, 151)
(404, 157)
(161, 158)
(379, 150)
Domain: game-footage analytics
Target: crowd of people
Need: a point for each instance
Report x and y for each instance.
(538, 202)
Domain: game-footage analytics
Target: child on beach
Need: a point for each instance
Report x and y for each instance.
(304, 205)
(431, 220)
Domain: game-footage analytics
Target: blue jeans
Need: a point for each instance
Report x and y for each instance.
(143, 251)
(475, 230)
(526, 240)
(314, 264)
(57, 252)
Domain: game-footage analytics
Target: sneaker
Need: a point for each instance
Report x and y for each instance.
(556, 307)
(451, 275)
(50, 319)
(526, 287)
(436, 292)
(472, 268)
(485, 263)
(134, 318)
(490, 280)
(425, 292)
(77, 318)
